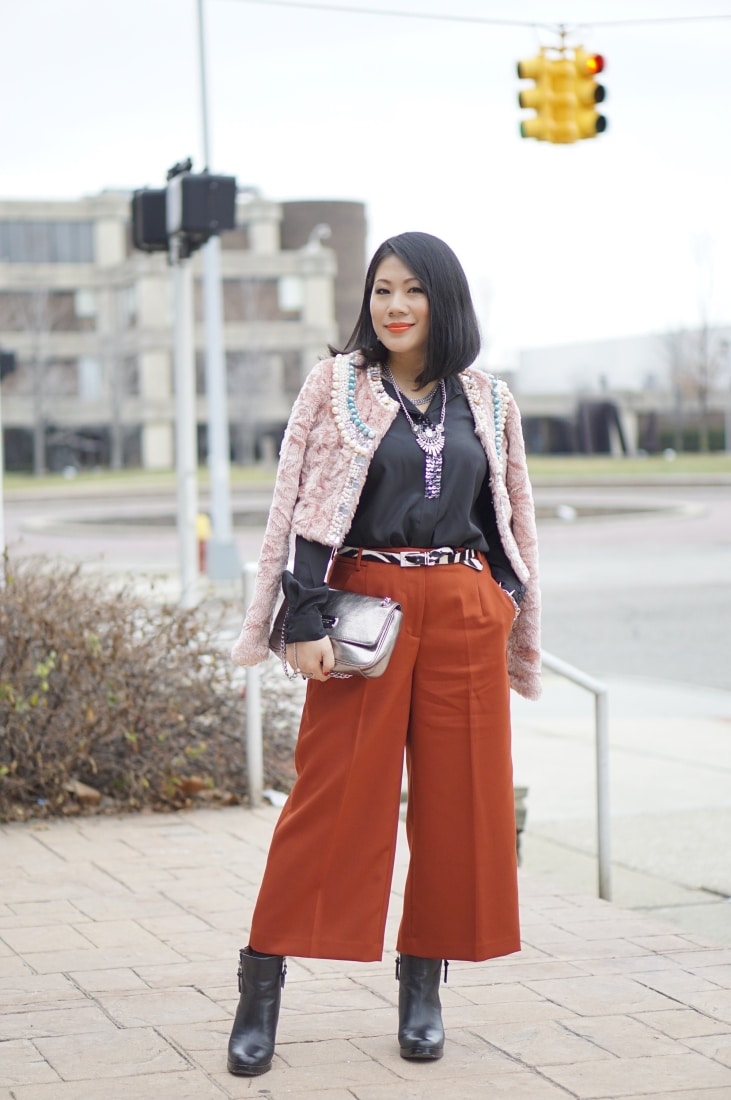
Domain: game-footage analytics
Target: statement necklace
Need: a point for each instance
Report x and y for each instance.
(430, 438)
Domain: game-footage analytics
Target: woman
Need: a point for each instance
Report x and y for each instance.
(403, 471)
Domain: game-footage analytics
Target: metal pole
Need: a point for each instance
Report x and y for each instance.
(222, 558)
(254, 739)
(186, 443)
(603, 819)
(204, 86)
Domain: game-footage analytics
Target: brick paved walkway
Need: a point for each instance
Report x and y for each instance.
(118, 953)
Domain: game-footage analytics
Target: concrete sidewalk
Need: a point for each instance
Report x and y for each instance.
(118, 954)
(670, 795)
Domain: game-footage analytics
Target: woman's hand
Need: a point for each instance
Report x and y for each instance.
(314, 660)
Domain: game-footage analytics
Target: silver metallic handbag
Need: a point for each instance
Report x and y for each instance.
(363, 631)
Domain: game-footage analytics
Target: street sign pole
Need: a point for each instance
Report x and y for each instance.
(222, 557)
(186, 443)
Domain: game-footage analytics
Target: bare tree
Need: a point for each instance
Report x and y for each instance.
(696, 358)
(37, 311)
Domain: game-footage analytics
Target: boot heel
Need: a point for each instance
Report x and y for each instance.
(251, 1046)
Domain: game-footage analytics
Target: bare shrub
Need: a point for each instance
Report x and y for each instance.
(107, 689)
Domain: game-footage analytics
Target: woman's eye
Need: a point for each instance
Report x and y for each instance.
(416, 290)
(380, 290)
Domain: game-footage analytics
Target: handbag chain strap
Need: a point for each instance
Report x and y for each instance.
(283, 650)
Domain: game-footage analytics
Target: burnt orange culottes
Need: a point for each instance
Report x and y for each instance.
(444, 699)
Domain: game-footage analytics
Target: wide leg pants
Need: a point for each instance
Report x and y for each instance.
(444, 700)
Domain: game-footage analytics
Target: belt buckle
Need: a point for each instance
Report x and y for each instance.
(420, 555)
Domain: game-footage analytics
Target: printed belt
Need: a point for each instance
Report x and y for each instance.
(443, 555)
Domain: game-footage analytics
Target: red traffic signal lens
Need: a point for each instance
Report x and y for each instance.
(594, 63)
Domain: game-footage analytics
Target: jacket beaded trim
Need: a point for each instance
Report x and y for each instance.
(337, 422)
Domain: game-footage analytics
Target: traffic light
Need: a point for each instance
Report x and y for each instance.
(588, 93)
(8, 363)
(149, 231)
(196, 206)
(200, 205)
(564, 127)
(538, 98)
(564, 96)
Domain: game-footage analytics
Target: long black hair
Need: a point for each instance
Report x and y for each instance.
(454, 333)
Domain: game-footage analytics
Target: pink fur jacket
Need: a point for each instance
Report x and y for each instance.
(336, 424)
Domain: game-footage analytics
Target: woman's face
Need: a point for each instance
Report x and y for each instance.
(399, 308)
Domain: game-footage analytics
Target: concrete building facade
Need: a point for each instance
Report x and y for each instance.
(90, 322)
(634, 393)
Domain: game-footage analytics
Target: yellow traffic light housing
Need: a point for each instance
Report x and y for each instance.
(538, 98)
(564, 96)
(564, 130)
(589, 92)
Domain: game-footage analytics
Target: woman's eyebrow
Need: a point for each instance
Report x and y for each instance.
(410, 279)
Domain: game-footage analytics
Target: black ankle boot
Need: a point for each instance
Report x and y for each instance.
(420, 1033)
(251, 1046)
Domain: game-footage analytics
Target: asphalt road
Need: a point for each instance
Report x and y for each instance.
(641, 595)
(626, 593)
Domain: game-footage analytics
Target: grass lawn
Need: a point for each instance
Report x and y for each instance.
(588, 466)
(581, 467)
(126, 481)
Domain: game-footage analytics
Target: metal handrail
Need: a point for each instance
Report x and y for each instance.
(254, 735)
(601, 742)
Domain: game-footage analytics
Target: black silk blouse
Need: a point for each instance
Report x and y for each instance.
(393, 510)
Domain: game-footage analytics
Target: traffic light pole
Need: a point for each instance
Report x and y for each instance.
(222, 557)
(186, 443)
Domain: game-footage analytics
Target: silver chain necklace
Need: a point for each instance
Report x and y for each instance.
(430, 438)
(421, 401)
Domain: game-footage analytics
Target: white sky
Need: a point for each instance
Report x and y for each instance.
(418, 119)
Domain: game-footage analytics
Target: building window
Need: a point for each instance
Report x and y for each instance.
(292, 372)
(127, 306)
(47, 242)
(291, 295)
(252, 299)
(43, 310)
(247, 372)
(89, 378)
(60, 378)
(236, 240)
(130, 376)
(85, 303)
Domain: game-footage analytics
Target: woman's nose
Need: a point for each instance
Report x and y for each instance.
(397, 304)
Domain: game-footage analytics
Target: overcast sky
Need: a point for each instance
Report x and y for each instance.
(624, 234)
